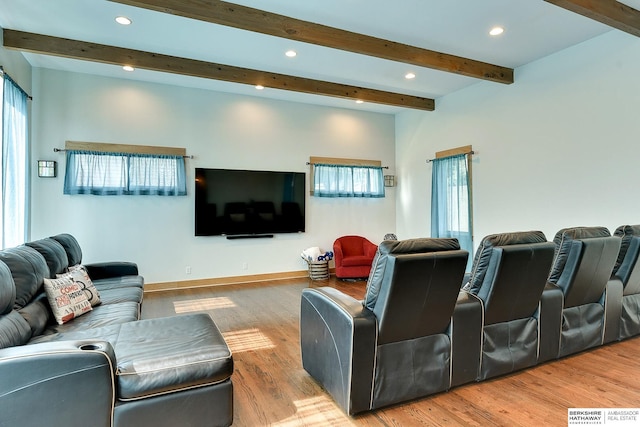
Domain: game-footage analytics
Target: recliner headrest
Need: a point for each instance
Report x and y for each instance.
(397, 247)
(483, 255)
(626, 233)
(563, 241)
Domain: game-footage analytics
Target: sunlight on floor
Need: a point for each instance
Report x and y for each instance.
(315, 411)
(247, 340)
(202, 304)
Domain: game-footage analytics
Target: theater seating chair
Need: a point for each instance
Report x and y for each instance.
(508, 275)
(584, 258)
(353, 256)
(395, 345)
(627, 270)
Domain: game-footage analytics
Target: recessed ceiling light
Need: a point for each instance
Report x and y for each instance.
(128, 68)
(409, 76)
(123, 20)
(259, 87)
(496, 31)
(359, 101)
(291, 53)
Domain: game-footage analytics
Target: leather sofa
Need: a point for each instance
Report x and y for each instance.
(106, 367)
(526, 301)
(353, 256)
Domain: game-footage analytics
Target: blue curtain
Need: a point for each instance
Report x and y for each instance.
(450, 202)
(100, 173)
(14, 164)
(347, 181)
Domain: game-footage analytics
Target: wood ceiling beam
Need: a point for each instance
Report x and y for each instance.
(609, 12)
(75, 49)
(246, 18)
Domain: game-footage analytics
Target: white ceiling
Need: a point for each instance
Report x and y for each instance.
(533, 29)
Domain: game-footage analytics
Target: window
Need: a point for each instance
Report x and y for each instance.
(338, 178)
(451, 198)
(122, 173)
(14, 196)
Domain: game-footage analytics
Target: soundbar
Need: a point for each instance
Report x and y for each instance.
(249, 236)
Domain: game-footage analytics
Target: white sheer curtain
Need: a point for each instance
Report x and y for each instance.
(102, 174)
(14, 164)
(450, 201)
(347, 181)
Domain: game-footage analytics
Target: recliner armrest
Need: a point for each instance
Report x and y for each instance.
(466, 339)
(612, 302)
(550, 322)
(58, 383)
(338, 343)
(107, 270)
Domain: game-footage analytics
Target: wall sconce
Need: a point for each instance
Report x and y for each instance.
(47, 168)
(389, 181)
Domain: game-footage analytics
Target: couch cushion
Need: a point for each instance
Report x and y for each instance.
(563, 241)
(37, 314)
(409, 246)
(119, 282)
(483, 254)
(28, 269)
(71, 247)
(165, 355)
(14, 330)
(7, 289)
(101, 315)
(66, 299)
(356, 260)
(117, 295)
(53, 253)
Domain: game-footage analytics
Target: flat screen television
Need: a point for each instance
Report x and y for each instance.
(231, 202)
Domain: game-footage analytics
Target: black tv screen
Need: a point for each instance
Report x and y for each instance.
(235, 202)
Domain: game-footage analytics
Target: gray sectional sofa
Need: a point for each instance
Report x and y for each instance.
(105, 367)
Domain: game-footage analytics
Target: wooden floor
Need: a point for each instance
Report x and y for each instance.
(260, 324)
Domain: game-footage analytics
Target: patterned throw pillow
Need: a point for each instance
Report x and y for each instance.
(81, 277)
(66, 298)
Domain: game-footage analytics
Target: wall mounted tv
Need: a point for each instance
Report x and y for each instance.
(248, 203)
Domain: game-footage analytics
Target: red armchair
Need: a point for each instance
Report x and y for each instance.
(353, 256)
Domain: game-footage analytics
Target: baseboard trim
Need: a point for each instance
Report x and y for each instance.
(221, 281)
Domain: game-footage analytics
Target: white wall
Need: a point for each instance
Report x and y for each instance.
(558, 148)
(220, 130)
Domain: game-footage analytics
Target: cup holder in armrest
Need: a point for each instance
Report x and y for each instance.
(91, 347)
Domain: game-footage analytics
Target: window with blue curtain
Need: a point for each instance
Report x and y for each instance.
(105, 173)
(451, 201)
(14, 196)
(347, 181)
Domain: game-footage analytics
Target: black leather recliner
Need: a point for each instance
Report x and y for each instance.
(583, 261)
(396, 344)
(508, 276)
(627, 270)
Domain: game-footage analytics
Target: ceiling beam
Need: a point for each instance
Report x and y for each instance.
(75, 49)
(609, 12)
(246, 18)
